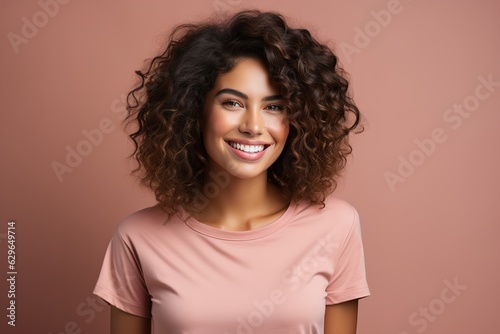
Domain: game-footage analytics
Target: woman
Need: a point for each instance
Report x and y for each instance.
(242, 129)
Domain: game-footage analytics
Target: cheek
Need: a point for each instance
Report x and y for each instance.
(217, 123)
(279, 127)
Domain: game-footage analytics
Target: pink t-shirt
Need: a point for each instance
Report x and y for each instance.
(197, 279)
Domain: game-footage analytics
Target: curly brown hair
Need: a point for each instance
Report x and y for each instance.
(167, 106)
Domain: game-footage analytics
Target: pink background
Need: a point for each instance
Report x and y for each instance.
(435, 224)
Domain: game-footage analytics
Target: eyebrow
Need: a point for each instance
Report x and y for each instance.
(244, 96)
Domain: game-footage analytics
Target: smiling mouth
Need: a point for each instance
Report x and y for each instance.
(247, 148)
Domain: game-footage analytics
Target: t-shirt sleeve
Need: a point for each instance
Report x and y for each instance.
(121, 281)
(348, 281)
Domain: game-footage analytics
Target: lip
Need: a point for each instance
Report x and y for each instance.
(248, 142)
(245, 155)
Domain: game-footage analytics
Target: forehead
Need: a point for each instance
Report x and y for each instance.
(248, 75)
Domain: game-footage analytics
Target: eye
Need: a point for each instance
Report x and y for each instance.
(275, 107)
(232, 104)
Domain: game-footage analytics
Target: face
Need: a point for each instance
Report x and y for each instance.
(244, 127)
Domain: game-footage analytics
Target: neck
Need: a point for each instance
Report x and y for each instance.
(239, 204)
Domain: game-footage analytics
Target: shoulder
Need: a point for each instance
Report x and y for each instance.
(339, 206)
(142, 222)
(338, 217)
(335, 210)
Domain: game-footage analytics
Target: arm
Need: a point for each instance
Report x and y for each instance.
(341, 318)
(126, 323)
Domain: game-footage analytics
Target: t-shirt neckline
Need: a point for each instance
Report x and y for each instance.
(257, 233)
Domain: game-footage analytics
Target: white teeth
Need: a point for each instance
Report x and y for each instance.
(247, 148)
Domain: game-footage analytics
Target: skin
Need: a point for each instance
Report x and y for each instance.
(126, 323)
(244, 106)
(341, 318)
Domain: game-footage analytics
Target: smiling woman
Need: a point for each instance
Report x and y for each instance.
(244, 122)
(253, 115)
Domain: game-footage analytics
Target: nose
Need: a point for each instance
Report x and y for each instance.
(252, 122)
